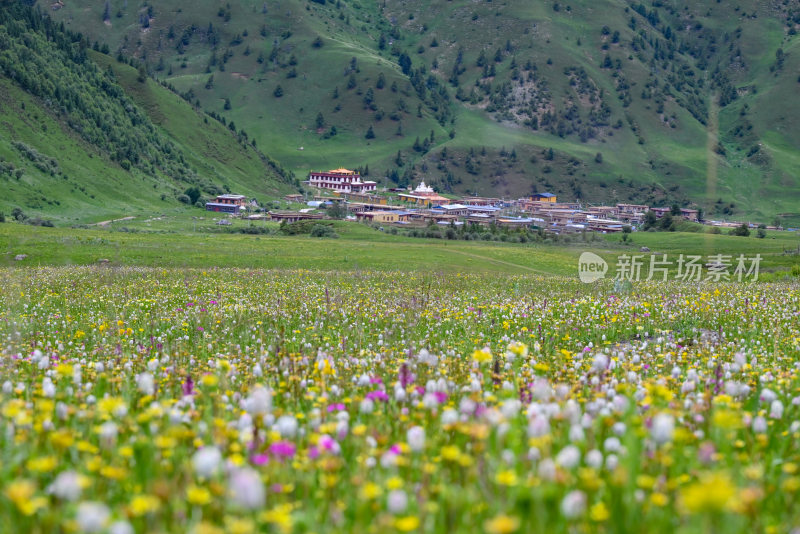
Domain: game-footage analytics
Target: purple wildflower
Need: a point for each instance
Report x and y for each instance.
(188, 386)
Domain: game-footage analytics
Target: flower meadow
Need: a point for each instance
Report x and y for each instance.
(241, 401)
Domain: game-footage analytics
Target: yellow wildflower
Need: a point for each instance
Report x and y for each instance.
(144, 504)
(237, 525)
(599, 512)
(407, 524)
(64, 369)
(726, 419)
(714, 492)
(112, 406)
(113, 472)
(791, 485)
(659, 499)
(206, 528)
(506, 478)
(21, 493)
(61, 439)
(210, 380)
(280, 516)
(370, 491)
(197, 495)
(44, 464)
(482, 355)
(450, 452)
(394, 483)
(501, 524)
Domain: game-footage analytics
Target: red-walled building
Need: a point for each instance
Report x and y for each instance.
(341, 180)
(227, 204)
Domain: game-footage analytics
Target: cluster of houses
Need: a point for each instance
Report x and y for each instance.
(423, 206)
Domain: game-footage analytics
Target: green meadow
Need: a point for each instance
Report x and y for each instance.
(191, 238)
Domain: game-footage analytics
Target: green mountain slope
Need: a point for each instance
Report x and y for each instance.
(663, 101)
(85, 140)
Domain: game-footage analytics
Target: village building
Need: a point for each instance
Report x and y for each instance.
(660, 212)
(515, 222)
(631, 213)
(231, 204)
(535, 205)
(728, 224)
(690, 214)
(603, 211)
(686, 213)
(451, 209)
(438, 217)
(364, 197)
(630, 209)
(480, 219)
(341, 180)
(479, 201)
(424, 195)
(634, 219)
(294, 216)
(604, 226)
(238, 200)
(562, 216)
(543, 197)
(357, 207)
(483, 210)
(383, 216)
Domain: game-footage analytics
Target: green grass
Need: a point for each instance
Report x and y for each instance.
(355, 250)
(190, 239)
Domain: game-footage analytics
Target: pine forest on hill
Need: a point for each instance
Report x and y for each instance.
(660, 103)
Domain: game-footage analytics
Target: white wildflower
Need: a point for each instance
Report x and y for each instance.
(259, 402)
(416, 438)
(663, 428)
(246, 489)
(206, 461)
(574, 504)
(569, 457)
(92, 516)
(286, 426)
(776, 409)
(397, 501)
(67, 486)
(146, 383)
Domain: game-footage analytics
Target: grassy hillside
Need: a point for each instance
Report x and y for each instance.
(212, 148)
(85, 141)
(656, 102)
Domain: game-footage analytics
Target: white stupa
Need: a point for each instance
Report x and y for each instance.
(422, 188)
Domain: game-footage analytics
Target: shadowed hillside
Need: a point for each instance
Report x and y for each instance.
(86, 140)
